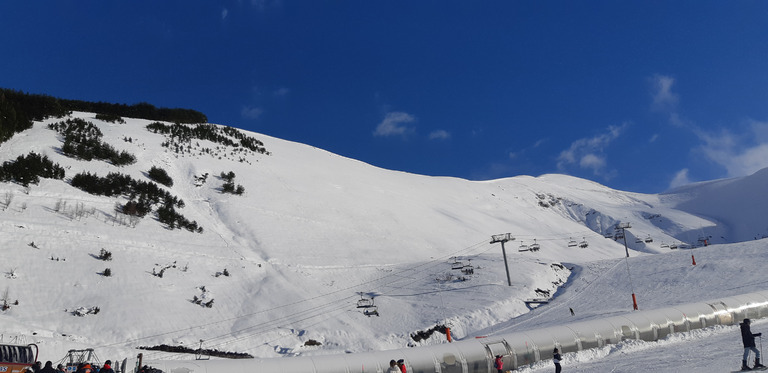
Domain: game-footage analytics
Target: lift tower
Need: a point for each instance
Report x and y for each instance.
(503, 238)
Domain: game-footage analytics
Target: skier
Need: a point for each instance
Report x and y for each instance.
(748, 338)
(498, 364)
(556, 358)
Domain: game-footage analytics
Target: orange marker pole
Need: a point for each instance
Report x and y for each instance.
(693, 259)
(634, 301)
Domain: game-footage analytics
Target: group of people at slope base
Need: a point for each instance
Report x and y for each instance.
(81, 368)
(397, 366)
(498, 363)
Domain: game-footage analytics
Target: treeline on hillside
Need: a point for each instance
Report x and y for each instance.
(210, 132)
(28, 169)
(142, 196)
(82, 140)
(19, 109)
(141, 110)
(205, 351)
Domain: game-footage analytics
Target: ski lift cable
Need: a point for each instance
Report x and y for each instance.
(325, 315)
(433, 262)
(336, 302)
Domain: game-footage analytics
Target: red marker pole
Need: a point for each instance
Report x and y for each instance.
(634, 301)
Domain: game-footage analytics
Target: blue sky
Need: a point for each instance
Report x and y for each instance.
(636, 95)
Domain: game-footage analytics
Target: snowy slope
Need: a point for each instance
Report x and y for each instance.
(314, 229)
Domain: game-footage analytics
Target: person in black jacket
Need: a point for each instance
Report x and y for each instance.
(107, 368)
(556, 358)
(48, 368)
(748, 339)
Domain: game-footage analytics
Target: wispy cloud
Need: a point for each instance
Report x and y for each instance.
(394, 124)
(681, 178)
(224, 13)
(281, 92)
(589, 153)
(250, 112)
(439, 135)
(740, 153)
(263, 5)
(663, 97)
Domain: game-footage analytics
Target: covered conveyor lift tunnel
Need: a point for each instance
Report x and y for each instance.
(519, 349)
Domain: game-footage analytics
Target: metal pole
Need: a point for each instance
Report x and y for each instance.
(623, 233)
(506, 266)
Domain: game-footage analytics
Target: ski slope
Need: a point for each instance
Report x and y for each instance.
(315, 230)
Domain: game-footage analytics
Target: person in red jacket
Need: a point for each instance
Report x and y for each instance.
(107, 368)
(499, 364)
(401, 365)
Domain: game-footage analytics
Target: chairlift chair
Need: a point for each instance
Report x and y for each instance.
(583, 244)
(638, 240)
(373, 311)
(572, 243)
(534, 246)
(523, 247)
(673, 246)
(663, 245)
(648, 239)
(365, 302)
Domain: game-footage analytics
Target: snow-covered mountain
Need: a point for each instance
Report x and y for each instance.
(286, 262)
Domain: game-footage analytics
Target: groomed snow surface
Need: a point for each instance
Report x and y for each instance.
(315, 230)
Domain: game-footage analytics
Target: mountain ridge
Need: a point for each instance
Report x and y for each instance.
(311, 232)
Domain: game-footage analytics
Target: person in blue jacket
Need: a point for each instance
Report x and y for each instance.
(748, 339)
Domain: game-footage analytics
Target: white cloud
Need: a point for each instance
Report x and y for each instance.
(224, 13)
(663, 97)
(393, 124)
(439, 135)
(250, 112)
(539, 143)
(740, 154)
(681, 178)
(589, 153)
(593, 162)
(281, 92)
